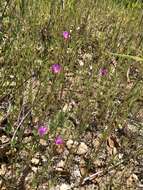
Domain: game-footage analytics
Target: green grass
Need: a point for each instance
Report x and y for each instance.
(70, 102)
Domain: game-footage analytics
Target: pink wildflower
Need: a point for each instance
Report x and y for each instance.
(66, 35)
(56, 68)
(42, 130)
(59, 140)
(103, 71)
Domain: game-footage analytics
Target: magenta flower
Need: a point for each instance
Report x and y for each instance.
(56, 68)
(42, 130)
(66, 35)
(103, 71)
(59, 140)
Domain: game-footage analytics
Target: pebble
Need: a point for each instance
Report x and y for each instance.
(82, 149)
(43, 142)
(44, 159)
(65, 186)
(3, 169)
(71, 144)
(61, 164)
(34, 169)
(4, 139)
(77, 148)
(35, 161)
(81, 63)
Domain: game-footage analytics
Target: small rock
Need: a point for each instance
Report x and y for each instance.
(3, 169)
(34, 169)
(82, 149)
(120, 155)
(81, 63)
(65, 187)
(61, 164)
(11, 76)
(59, 169)
(13, 83)
(71, 144)
(132, 180)
(35, 161)
(43, 142)
(65, 108)
(4, 139)
(44, 159)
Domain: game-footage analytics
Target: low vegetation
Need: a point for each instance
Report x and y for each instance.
(71, 94)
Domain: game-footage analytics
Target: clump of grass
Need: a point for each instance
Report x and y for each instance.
(74, 67)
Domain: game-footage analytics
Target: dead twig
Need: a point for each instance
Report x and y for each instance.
(91, 177)
(20, 123)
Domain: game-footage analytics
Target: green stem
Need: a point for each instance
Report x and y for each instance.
(136, 58)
